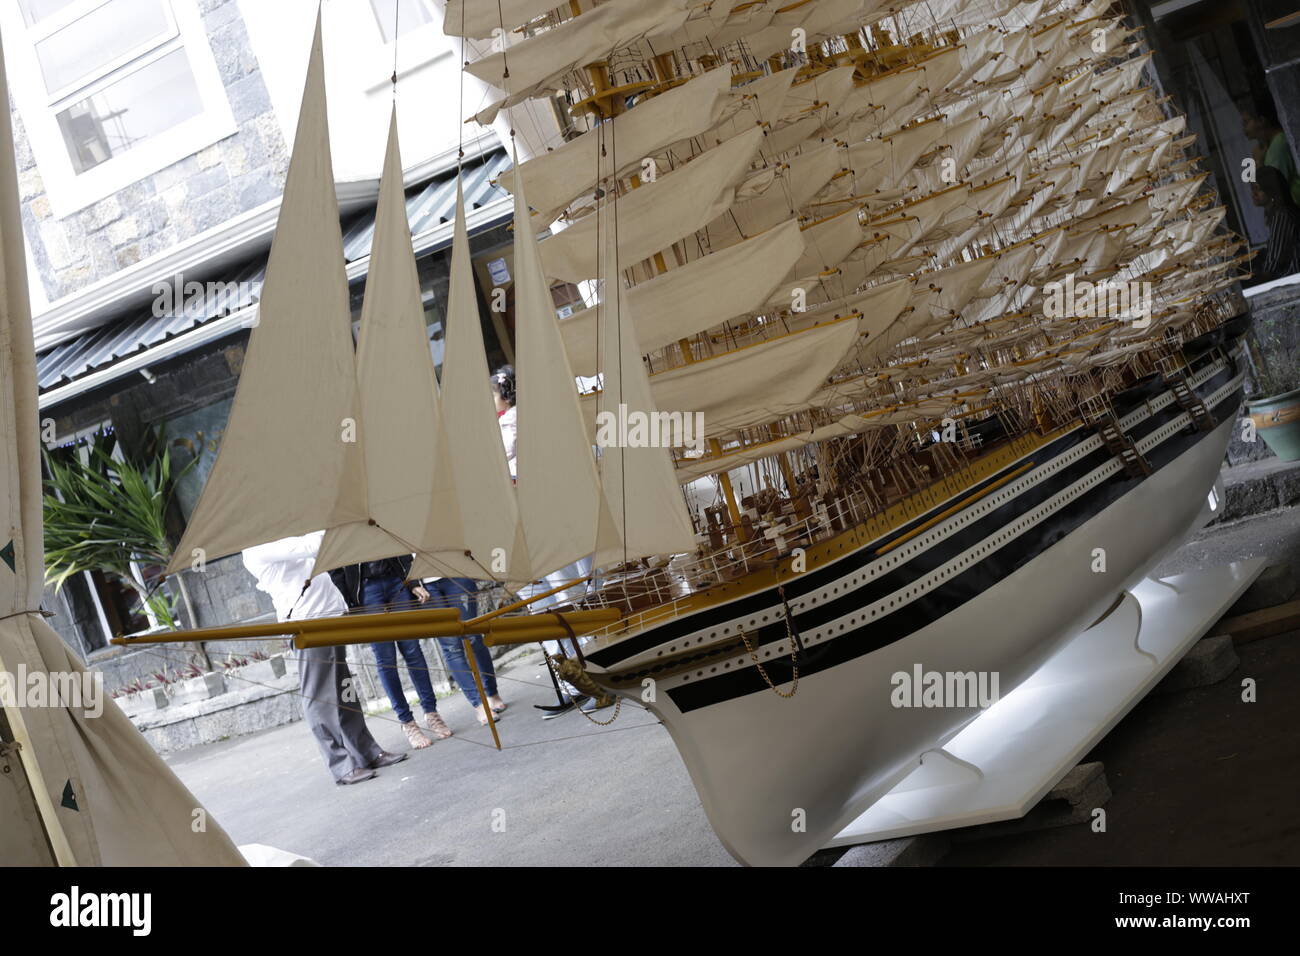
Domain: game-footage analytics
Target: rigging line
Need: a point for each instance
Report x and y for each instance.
(460, 126)
(457, 737)
(615, 295)
(440, 563)
(505, 65)
(397, 34)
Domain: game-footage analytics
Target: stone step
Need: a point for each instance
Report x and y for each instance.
(1258, 487)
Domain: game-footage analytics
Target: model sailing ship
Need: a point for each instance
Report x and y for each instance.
(884, 269)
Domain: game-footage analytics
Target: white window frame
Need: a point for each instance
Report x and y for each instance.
(44, 29)
(381, 28)
(67, 190)
(416, 48)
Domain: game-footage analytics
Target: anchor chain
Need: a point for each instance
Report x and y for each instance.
(795, 644)
(573, 672)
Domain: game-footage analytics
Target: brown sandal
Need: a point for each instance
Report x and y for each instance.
(437, 725)
(415, 736)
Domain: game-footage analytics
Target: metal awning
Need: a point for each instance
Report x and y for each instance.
(427, 208)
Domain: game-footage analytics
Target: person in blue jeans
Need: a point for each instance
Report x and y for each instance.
(461, 593)
(376, 585)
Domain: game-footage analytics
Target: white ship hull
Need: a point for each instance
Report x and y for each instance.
(779, 777)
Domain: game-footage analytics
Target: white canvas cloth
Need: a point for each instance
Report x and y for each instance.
(537, 63)
(757, 383)
(479, 18)
(759, 101)
(82, 789)
(657, 214)
(791, 187)
(557, 177)
(561, 504)
(486, 495)
(411, 501)
(691, 469)
(694, 297)
(647, 513)
(827, 243)
(284, 445)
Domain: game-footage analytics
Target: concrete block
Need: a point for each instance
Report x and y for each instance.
(1208, 662)
(240, 711)
(1250, 497)
(1287, 484)
(927, 849)
(1276, 585)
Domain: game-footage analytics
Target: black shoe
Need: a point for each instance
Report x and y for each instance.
(355, 776)
(386, 759)
(555, 710)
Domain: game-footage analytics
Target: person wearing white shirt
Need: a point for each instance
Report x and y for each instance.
(503, 393)
(329, 698)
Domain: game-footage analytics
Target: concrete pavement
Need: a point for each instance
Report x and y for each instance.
(562, 792)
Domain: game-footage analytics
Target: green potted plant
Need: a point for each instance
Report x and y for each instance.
(1274, 406)
(106, 510)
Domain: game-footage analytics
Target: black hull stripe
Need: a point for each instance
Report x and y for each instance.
(812, 581)
(921, 564)
(930, 607)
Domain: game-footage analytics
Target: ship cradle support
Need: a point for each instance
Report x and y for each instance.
(994, 588)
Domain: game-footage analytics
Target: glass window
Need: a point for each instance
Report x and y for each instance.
(103, 35)
(34, 11)
(149, 101)
(396, 17)
(196, 434)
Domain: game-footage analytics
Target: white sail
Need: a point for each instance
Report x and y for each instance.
(291, 442)
(781, 139)
(561, 505)
(647, 514)
(657, 214)
(827, 243)
(822, 94)
(758, 383)
(791, 187)
(79, 784)
(704, 293)
(410, 496)
(484, 490)
(480, 19)
(881, 164)
(761, 101)
(691, 469)
(539, 62)
(555, 178)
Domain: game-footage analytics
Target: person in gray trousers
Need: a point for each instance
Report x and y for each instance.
(329, 698)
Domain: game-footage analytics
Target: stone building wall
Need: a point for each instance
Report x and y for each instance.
(156, 213)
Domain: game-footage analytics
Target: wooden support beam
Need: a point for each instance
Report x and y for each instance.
(1245, 628)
